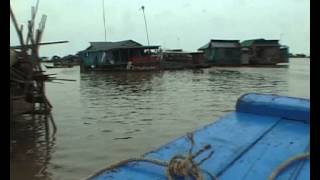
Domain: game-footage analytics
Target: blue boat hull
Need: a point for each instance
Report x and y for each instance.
(250, 143)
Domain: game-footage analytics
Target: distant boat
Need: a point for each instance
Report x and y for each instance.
(265, 137)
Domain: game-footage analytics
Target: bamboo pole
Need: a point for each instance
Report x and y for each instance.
(32, 42)
(39, 44)
(15, 23)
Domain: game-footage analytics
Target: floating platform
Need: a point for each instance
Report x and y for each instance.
(252, 142)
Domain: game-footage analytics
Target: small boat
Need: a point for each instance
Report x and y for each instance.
(266, 137)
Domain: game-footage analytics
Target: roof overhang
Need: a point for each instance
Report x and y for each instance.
(121, 48)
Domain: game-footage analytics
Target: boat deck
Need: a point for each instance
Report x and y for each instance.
(249, 143)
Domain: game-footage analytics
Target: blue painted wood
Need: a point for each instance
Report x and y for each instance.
(247, 145)
(304, 174)
(227, 146)
(285, 140)
(273, 105)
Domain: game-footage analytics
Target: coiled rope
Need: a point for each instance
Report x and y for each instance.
(178, 166)
(287, 163)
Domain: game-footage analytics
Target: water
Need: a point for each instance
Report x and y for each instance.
(106, 117)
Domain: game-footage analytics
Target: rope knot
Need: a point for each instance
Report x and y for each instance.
(185, 166)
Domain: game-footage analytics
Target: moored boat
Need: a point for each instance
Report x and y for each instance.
(267, 136)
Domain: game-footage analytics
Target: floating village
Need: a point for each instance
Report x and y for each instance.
(28, 77)
(261, 125)
(129, 55)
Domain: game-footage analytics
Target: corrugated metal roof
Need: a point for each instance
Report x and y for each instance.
(225, 44)
(223, 40)
(96, 46)
(217, 43)
(262, 42)
(248, 43)
(127, 44)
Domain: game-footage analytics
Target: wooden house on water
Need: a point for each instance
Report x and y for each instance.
(264, 52)
(121, 55)
(222, 52)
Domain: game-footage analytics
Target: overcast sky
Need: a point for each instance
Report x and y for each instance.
(186, 24)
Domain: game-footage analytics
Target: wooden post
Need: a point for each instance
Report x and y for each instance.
(15, 23)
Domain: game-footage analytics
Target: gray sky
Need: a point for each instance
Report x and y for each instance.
(186, 24)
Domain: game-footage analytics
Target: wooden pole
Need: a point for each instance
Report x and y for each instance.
(39, 44)
(15, 23)
(145, 22)
(104, 21)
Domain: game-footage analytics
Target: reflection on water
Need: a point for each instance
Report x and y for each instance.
(30, 147)
(106, 117)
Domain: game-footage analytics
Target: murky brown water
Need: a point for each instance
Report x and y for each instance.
(105, 117)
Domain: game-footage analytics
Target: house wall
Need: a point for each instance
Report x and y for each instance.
(208, 55)
(284, 57)
(90, 58)
(265, 55)
(245, 56)
(110, 57)
(223, 56)
(197, 58)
